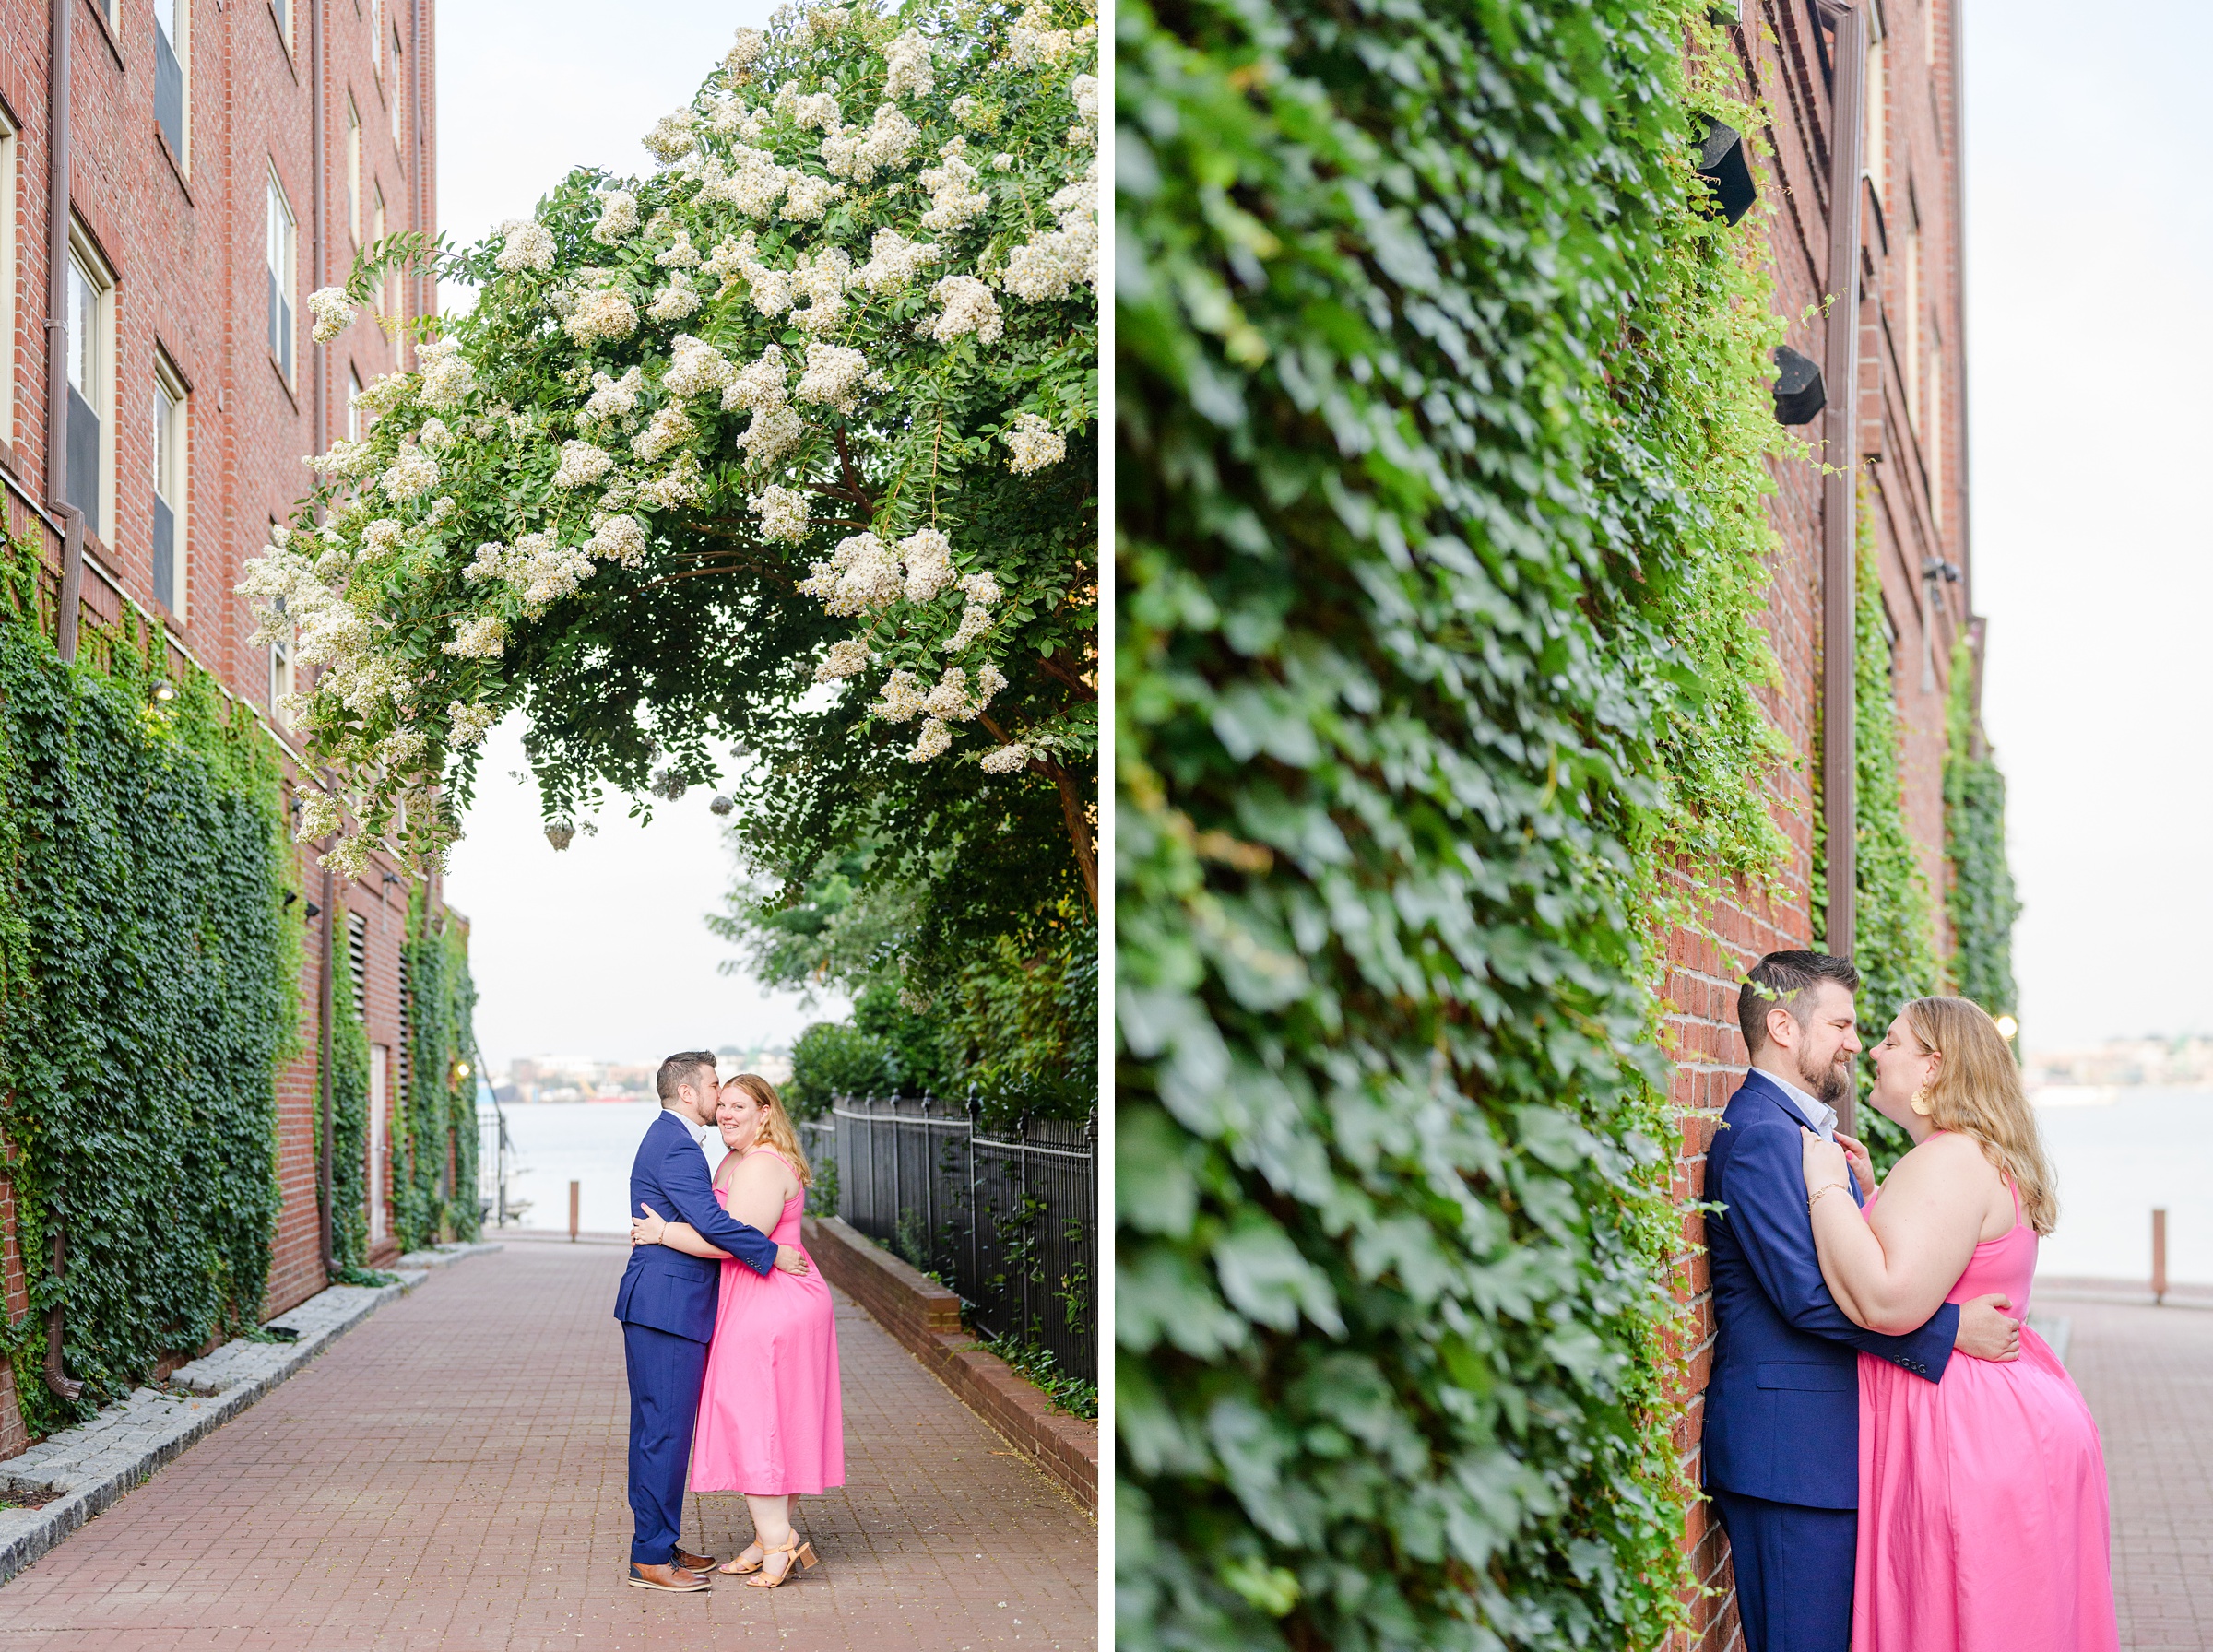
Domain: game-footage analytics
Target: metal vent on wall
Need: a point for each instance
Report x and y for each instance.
(357, 954)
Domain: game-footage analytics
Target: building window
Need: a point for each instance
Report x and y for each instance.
(172, 452)
(8, 152)
(281, 10)
(353, 170)
(172, 74)
(377, 36)
(284, 237)
(1877, 85)
(1912, 350)
(91, 437)
(376, 236)
(1935, 435)
(280, 677)
(398, 99)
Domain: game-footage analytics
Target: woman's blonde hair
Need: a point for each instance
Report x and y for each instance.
(776, 1124)
(1977, 1091)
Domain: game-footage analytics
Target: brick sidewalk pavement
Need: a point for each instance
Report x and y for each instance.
(2148, 1374)
(450, 1476)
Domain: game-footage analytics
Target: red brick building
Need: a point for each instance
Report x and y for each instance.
(1903, 425)
(165, 208)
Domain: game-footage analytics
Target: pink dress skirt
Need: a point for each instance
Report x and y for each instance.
(1984, 1524)
(771, 1421)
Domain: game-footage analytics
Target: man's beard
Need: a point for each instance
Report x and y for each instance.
(1825, 1084)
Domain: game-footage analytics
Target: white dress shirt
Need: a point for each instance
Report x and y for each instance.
(1819, 1114)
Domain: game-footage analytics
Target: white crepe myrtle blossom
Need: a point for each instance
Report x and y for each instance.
(783, 513)
(696, 368)
(969, 307)
(333, 312)
(613, 399)
(900, 698)
(1005, 759)
(907, 66)
(668, 430)
(582, 465)
(980, 587)
(618, 217)
(861, 575)
(448, 375)
(953, 203)
(469, 723)
(526, 244)
(603, 316)
(680, 254)
(318, 815)
(976, 620)
(859, 155)
(674, 301)
(1035, 443)
(928, 555)
(1049, 265)
(808, 197)
(1034, 42)
(672, 138)
(412, 474)
(618, 538)
(933, 741)
(833, 375)
(893, 262)
(746, 50)
(482, 638)
(846, 658)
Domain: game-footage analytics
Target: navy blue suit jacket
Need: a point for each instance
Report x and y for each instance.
(664, 1288)
(1783, 1409)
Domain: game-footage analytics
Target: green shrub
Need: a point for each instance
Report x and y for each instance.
(830, 1059)
(1981, 899)
(1444, 436)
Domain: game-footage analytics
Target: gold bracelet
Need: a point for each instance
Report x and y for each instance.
(1816, 1193)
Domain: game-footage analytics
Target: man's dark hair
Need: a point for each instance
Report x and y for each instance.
(1781, 980)
(676, 1072)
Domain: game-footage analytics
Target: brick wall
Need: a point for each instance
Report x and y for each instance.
(185, 235)
(1910, 446)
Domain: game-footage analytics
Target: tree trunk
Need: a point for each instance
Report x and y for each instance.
(1080, 836)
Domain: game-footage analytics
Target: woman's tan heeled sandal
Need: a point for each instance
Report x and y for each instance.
(800, 1554)
(748, 1561)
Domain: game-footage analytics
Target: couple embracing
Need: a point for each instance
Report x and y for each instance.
(1899, 1464)
(728, 1331)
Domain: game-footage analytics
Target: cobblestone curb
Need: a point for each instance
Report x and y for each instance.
(85, 1469)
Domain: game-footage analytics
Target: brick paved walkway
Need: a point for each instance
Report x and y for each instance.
(2148, 1374)
(450, 1476)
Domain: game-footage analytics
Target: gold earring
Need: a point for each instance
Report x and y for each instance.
(1919, 1102)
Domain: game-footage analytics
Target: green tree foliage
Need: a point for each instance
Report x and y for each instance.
(148, 977)
(1444, 433)
(1980, 899)
(830, 1059)
(349, 1132)
(1894, 924)
(790, 444)
(434, 1134)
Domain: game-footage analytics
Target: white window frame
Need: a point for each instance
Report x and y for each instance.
(1935, 426)
(396, 91)
(281, 251)
(376, 37)
(180, 46)
(173, 455)
(376, 234)
(92, 370)
(353, 170)
(280, 664)
(10, 157)
(1912, 339)
(1877, 86)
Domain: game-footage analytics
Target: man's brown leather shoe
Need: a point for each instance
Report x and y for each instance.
(676, 1580)
(701, 1564)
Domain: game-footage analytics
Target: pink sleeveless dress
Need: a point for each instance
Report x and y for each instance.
(1984, 1524)
(771, 1419)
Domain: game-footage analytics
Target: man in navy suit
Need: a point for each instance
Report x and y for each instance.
(1782, 1407)
(667, 1305)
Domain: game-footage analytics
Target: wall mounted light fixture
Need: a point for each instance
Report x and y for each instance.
(1800, 394)
(1727, 170)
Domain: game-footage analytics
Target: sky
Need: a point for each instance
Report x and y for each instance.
(2090, 268)
(602, 950)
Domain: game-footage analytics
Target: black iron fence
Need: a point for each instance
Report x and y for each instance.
(1007, 1219)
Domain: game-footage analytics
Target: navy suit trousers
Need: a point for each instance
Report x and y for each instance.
(666, 1372)
(1794, 1573)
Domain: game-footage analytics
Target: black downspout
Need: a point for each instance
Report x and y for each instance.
(57, 458)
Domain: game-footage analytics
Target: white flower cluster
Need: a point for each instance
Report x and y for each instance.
(582, 465)
(435, 434)
(381, 536)
(833, 375)
(759, 388)
(1035, 443)
(808, 197)
(468, 725)
(618, 217)
(1067, 257)
(412, 474)
(821, 279)
(345, 459)
(318, 815)
(447, 376)
(333, 312)
(968, 308)
(1033, 41)
(528, 244)
(928, 559)
(482, 638)
(605, 315)
(613, 399)
(949, 701)
(817, 109)
(381, 396)
(907, 60)
(1006, 760)
(618, 540)
(670, 429)
(674, 301)
(1084, 90)
(893, 262)
(680, 254)
(672, 137)
(696, 368)
(783, 513)
(537, 568)
(859, 155)
(745, 51)
(846, 658)
(951, 202)
(860, 575)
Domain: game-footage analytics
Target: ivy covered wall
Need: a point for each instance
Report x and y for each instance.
(1444, 426)
(148, 992)
(1981, 899)
(435, 1128)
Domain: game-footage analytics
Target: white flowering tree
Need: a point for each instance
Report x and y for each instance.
(790, 444)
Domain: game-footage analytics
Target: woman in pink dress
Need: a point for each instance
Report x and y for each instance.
(771, 1423)
(1983, 1508)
